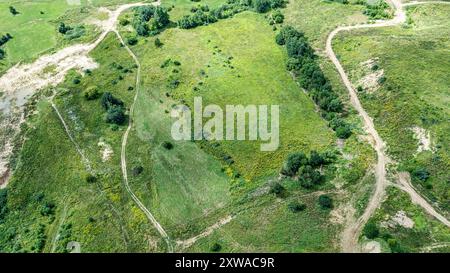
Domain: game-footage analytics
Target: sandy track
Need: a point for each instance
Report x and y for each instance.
(353, 229)
(188, 242)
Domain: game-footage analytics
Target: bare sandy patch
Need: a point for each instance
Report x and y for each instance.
(105, 150)
(423, 137)
(399, 219)
(372, 247)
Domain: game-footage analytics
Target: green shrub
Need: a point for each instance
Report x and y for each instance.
(371, 230)
(115, 115)
(325, 201)
(216, 247)
(296, 206)
(91, 93)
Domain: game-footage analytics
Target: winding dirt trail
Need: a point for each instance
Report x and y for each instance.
(353, 229)
(138, 202)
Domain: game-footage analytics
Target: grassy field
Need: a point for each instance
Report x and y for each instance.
(34, 29)
(414, 93)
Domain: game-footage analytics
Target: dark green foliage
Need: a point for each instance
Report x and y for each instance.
(371, 230)
(2, 54)
(48, 209)
(13, 10)
(261, 6)
(63, 29)
(137, 170)
(277, 17)
(3, 204)
(325, 202)
(293, 163)
(277, 189)
(216, 247)
(309, 177)
(115, 115)
(91, 93)
(132, 41)
(108, 101)
(40, 239)
(149, 20)
(296, 206)
(421, 174)
(5, 38)
(377, 10)
(158, 43)
(167, 145)
(90, 178)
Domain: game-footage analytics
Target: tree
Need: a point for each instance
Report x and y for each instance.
(3, 203)
(91, 93)
(167, 145)
(158, 43)
(216, 247)
(421, 173)
(308, 177)
(90, 178)
(325, 201)
(115, 115)
(132, 41)
(108, 101)
(13, 10)
(316, 159)
(296, 206)
(261, 6)
(277, 189)
(293, 163)
(161, 17)
(63, 29)
(371, 230)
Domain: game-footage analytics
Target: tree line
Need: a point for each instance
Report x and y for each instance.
(303, 64)
(203, 15)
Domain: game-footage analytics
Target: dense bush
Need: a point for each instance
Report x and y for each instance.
(3, 204)
(296, 206)
(5, 38)
(377, 10)
(149, 20)
(216, 247)
(91, 93)
(2, 54)
(293, 163)
(277, 189)
(371, 230)
(325, 202)
(13, 10)
(108, 101)
(115, 115)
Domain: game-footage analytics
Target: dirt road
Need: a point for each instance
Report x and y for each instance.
(353, 229)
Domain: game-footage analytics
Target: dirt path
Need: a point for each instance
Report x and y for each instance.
(353, 229)
(188, 242)
(138, 202)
